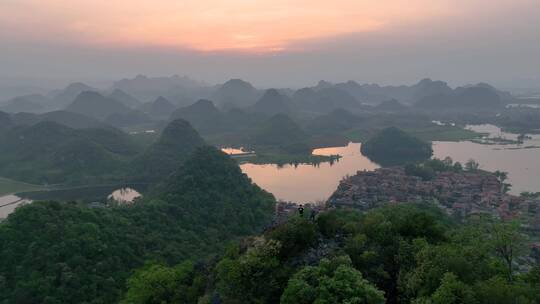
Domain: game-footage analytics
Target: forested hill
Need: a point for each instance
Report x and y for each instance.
(70, 253)
(52, 153)
(210, 184)
(405, 253)
(392, 146)
(177, 141)
(48, 152)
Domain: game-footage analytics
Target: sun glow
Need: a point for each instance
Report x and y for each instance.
(211, 25)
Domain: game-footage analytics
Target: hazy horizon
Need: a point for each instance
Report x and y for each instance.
(271, 43)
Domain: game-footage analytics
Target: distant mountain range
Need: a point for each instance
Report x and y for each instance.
(145, 100)
(95, 105)
(161, 108)
(473, 97)
(65, 147)
(236, 93)
(203, 115)
(48, 152)
(273, 102)
(125, 99)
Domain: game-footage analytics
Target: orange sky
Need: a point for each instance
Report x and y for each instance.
(207, 25)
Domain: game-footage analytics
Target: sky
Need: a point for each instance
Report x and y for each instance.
(286, 43)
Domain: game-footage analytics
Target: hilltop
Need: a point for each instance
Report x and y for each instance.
(394, 146)
(125, 98)
(483, 99)
(49, 153)
(34, 103)
(202, 115)
(161, 108)
(175, 143)
(281, 133)
(272, 103)
(95, 105)
(236, 93)
(324, 99)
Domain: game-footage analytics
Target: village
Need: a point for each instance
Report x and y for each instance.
(459, 193)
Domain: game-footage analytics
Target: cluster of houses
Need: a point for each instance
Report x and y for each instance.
(459, 193)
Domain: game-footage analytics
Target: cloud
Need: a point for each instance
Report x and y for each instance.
(211, 25)
(279, 42)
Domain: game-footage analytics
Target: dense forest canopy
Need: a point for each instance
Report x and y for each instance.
(52, 153)
(71, 253)
(394, 146)
(177, 141)
(409, 253)
(48, 152)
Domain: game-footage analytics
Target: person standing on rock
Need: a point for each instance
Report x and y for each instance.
(312, 215)
(301, 210)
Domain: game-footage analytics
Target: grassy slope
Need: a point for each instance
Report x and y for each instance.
(432, 133)
(8, 186)
(443, 133)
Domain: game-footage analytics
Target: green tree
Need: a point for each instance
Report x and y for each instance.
(453, 291)
(388, 238)
(471, 165)
(497, 290)
(508, 242)
(332, 281)
(295, 236)
(533, 279)
(159, 284)
(502, 177)
(69, 253)
(254, 277)
(466, 255)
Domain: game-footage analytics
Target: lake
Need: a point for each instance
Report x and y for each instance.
(308, 183)
(315, 183)
(123, 195)
(522, 162)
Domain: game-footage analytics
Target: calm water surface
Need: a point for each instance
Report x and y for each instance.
(315, 183)
(307, 183)
(522, 162)
(8, 203)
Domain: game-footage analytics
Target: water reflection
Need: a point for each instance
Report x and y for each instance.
(521, 161)
(124, 195)
(496, 132)
(309, 183)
